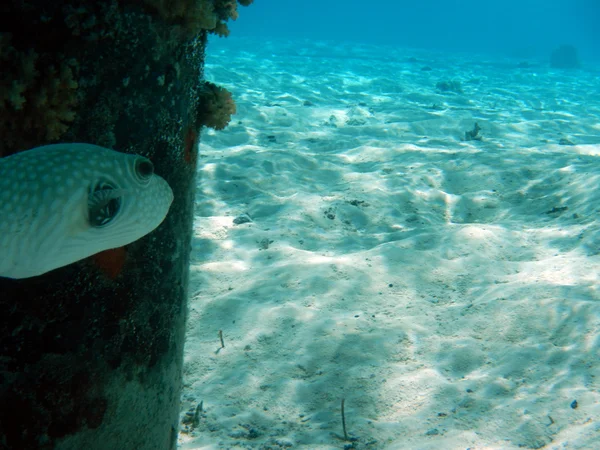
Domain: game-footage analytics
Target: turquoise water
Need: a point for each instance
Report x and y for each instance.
(521, 27)
(403, 214)
(351, 242)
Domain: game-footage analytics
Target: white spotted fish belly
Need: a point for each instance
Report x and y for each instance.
(64, 202)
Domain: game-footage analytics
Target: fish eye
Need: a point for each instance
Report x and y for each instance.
(144, 168)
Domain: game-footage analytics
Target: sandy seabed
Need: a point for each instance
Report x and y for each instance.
(350, 243)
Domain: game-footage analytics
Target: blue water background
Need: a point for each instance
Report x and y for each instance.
(527, 29)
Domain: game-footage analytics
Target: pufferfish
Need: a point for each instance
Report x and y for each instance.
(61, 203)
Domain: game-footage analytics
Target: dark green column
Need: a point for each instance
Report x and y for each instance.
(91, 353)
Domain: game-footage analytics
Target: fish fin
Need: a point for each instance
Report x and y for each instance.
(110, 262)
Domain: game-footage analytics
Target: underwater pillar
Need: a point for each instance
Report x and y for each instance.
(91, 353)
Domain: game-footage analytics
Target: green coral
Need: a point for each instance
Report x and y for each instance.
(215, 106)
(40, 87)
(37, 97)
(197, 15)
